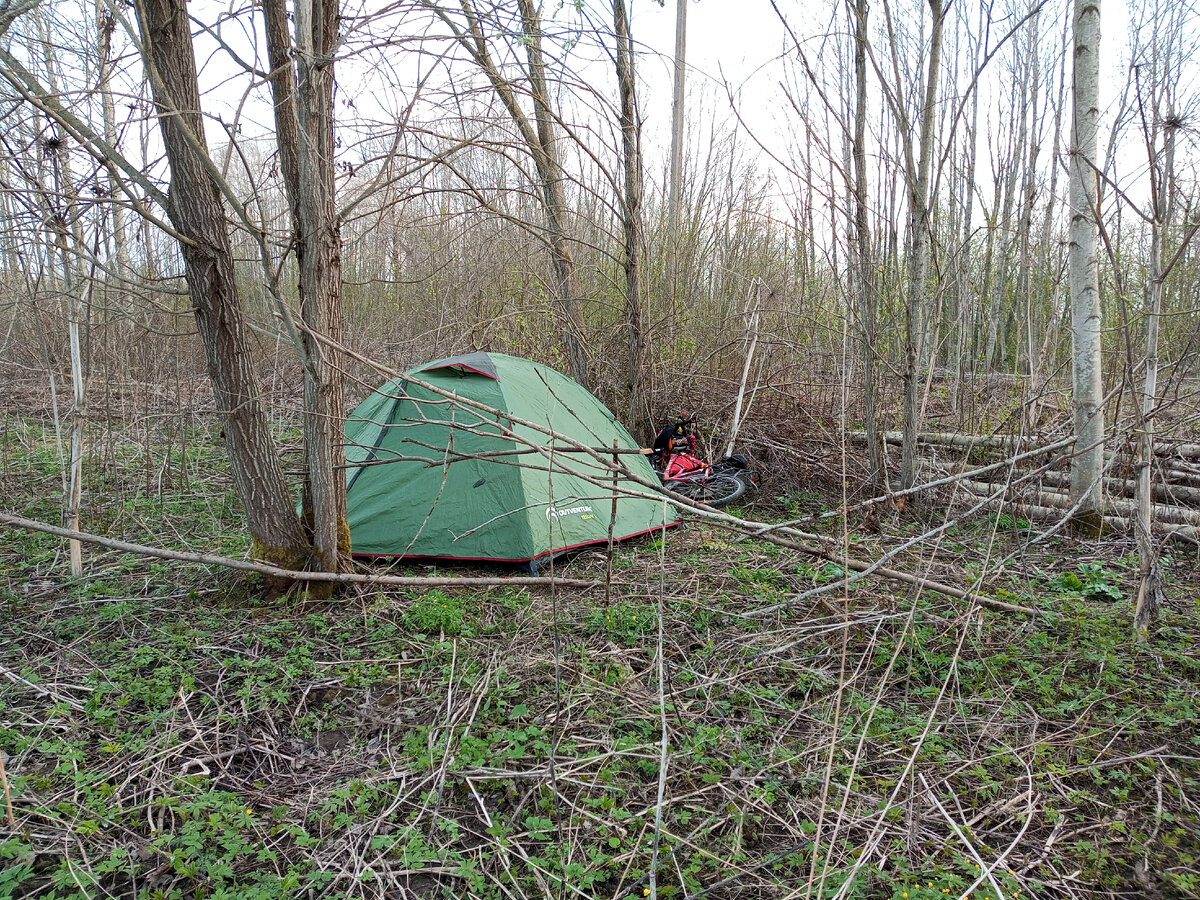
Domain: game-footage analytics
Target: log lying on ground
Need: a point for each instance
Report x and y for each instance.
(1173, 515)
(1180, 451)
(1164, 449)
(1174, 494)
(952, 439)
(1052, 515)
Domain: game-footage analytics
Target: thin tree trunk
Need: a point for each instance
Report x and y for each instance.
(675, 190)
(1003, 239)
(550, 168)
(1150, 592)
(1028, 197)
(67, 230)
(60, 203)
(1049, 293)
(631, 217)
(105, 25)
(921, 241)
(867, 297)
(966, 361)
(540, 140)
(1086, 379)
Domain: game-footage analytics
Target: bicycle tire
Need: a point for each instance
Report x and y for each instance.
(715, 491)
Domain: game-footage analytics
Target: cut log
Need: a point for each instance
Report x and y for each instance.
(959, 440)
(1173, 515)
(1163, 449)
(1174, 494)
(1051, 515)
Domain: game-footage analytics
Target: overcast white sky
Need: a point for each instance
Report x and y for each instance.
(740, 42)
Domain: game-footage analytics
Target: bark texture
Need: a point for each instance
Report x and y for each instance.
(631, 216)
(1087, 388)
(868, 302)
(194, 205)
(303, 95)
(921, 240)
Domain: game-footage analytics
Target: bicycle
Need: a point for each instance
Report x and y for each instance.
(673, 457)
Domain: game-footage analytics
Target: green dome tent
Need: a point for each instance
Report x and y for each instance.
(432, 477)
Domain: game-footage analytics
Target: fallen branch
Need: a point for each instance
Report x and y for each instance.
(243, 565)
(8, 673)
(937, 587)
(921, 583)
(8, 807)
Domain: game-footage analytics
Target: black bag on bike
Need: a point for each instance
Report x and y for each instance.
(736, 461)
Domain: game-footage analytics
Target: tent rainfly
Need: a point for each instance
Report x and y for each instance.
(429, 476)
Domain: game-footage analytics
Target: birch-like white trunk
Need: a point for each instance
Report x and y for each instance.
(67, 230)
(1087, 388)
(1149, 583)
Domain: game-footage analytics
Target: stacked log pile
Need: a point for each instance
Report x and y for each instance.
(1035, 486)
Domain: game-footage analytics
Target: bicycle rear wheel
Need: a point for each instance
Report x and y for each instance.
(715, 490)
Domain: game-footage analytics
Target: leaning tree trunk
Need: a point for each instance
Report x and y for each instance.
(303, 98)
(540, 138)
(546, 156)
(194, 205)
(1087, 388)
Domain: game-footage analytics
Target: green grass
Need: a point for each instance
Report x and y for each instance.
(168, 733)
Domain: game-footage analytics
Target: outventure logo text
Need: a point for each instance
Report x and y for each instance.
(552, 513)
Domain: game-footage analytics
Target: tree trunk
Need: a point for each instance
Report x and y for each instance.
(1162, 196)
(105, 25)
(631, 219)
(1086, 381)
(921, 239)
(675, 182)
(868, 302)
(64, 193)
(194, 205)
(1048, 291)
(303, 99)
(540, 140)
(67, 230)
(546, 156)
